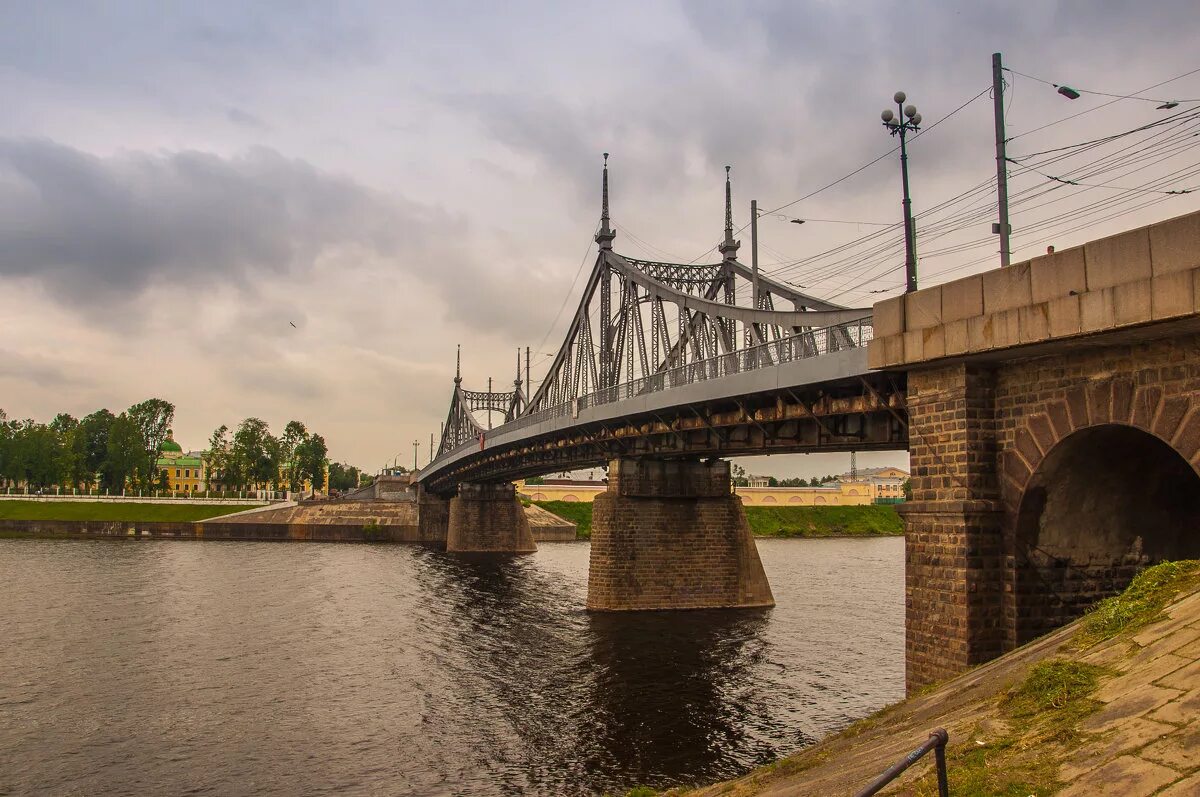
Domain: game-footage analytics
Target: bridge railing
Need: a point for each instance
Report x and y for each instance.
(803, 346)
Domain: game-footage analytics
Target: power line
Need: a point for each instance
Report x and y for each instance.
(1107, 94)
(1098, 107)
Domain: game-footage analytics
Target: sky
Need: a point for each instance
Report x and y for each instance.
(297, 210)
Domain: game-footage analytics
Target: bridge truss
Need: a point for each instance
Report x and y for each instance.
(643, 326)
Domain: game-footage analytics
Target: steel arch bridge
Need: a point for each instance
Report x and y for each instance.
(670, 359)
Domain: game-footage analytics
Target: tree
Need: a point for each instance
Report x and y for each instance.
(739, 476)
(311, 454)
(90, 445)
(152, 418)
(344, 477)
(907, 486)
(294, 435)
(218, 463)
(125, 452)
(255, 453)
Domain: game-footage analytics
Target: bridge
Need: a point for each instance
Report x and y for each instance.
(1012, 390)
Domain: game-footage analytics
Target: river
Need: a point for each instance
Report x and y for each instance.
(302, 669)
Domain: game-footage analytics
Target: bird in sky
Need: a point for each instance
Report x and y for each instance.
(293, 323)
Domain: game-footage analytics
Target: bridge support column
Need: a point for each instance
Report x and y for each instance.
(670, 534)
(488, 518)
(954, 550)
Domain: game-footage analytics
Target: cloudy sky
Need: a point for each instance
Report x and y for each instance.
(180, 183)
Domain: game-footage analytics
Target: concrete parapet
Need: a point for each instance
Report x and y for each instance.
(1126, 280)
(488, 518)
(670, 534)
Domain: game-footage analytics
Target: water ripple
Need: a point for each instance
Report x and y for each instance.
(237, 668)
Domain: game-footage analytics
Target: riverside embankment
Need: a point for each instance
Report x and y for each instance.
(321, 521)
(783, 522)
(1104, 706)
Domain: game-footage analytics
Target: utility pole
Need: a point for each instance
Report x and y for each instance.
(1003, 229)
(416, 445)
(431, 446)
(489, 409)
(754, 251)
(528, 384)
(853, 466)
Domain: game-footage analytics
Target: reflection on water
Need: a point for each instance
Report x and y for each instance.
(168, 667)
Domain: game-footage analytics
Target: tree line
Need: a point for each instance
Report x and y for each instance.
(113, 452)
(101, 450)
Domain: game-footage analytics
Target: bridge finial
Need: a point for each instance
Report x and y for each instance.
(517, 383)
(458, 366)
(606, 235)
(728, 247)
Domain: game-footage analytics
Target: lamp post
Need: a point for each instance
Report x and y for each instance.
(899, 124)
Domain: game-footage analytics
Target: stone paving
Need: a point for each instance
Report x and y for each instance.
(1144, 740)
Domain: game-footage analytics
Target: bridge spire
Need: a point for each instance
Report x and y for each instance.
(728, 248)
(606, 234)
(458, 366)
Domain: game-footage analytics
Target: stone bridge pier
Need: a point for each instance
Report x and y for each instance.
(1054, 433)
(488, 518)
(670, 534)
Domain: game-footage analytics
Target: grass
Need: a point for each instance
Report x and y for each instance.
(785, 522)
(113, 510)
(824, 521)
(1042, 714)
(578, 512)
(1140, 604)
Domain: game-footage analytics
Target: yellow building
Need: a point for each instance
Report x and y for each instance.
(185, 472)
(837, 494)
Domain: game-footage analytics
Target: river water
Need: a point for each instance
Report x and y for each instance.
(303, 669)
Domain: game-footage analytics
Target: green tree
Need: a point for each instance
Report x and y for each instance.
(126, 453)
(153, 418)
(219, 461)
(256, 454)
(907, 489)
(90, 445)
(311, 454)
(739, 476)
(344, 477)
(293, 437)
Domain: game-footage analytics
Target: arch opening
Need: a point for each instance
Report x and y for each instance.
(1105, 502)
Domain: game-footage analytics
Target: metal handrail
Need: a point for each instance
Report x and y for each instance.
(936, 742)
(814, 343)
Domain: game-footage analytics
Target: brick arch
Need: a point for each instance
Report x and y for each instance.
(1173, 419)
(1079, 526)
(770, 499)
(795, 499)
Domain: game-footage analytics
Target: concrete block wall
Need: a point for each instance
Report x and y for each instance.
(1137, 277)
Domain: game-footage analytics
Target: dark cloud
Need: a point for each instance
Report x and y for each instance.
(86, 225)
(35, 369)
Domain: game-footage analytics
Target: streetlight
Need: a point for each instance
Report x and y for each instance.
(900, 124)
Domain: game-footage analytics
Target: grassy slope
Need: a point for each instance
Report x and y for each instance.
(824, 521)
(579, 513)
(769, 521)
(120, 511)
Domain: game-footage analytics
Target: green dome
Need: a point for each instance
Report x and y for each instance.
(170, 445)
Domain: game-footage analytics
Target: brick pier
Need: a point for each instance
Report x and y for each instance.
(670, 534)
(1054, 433)
(488, 518)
